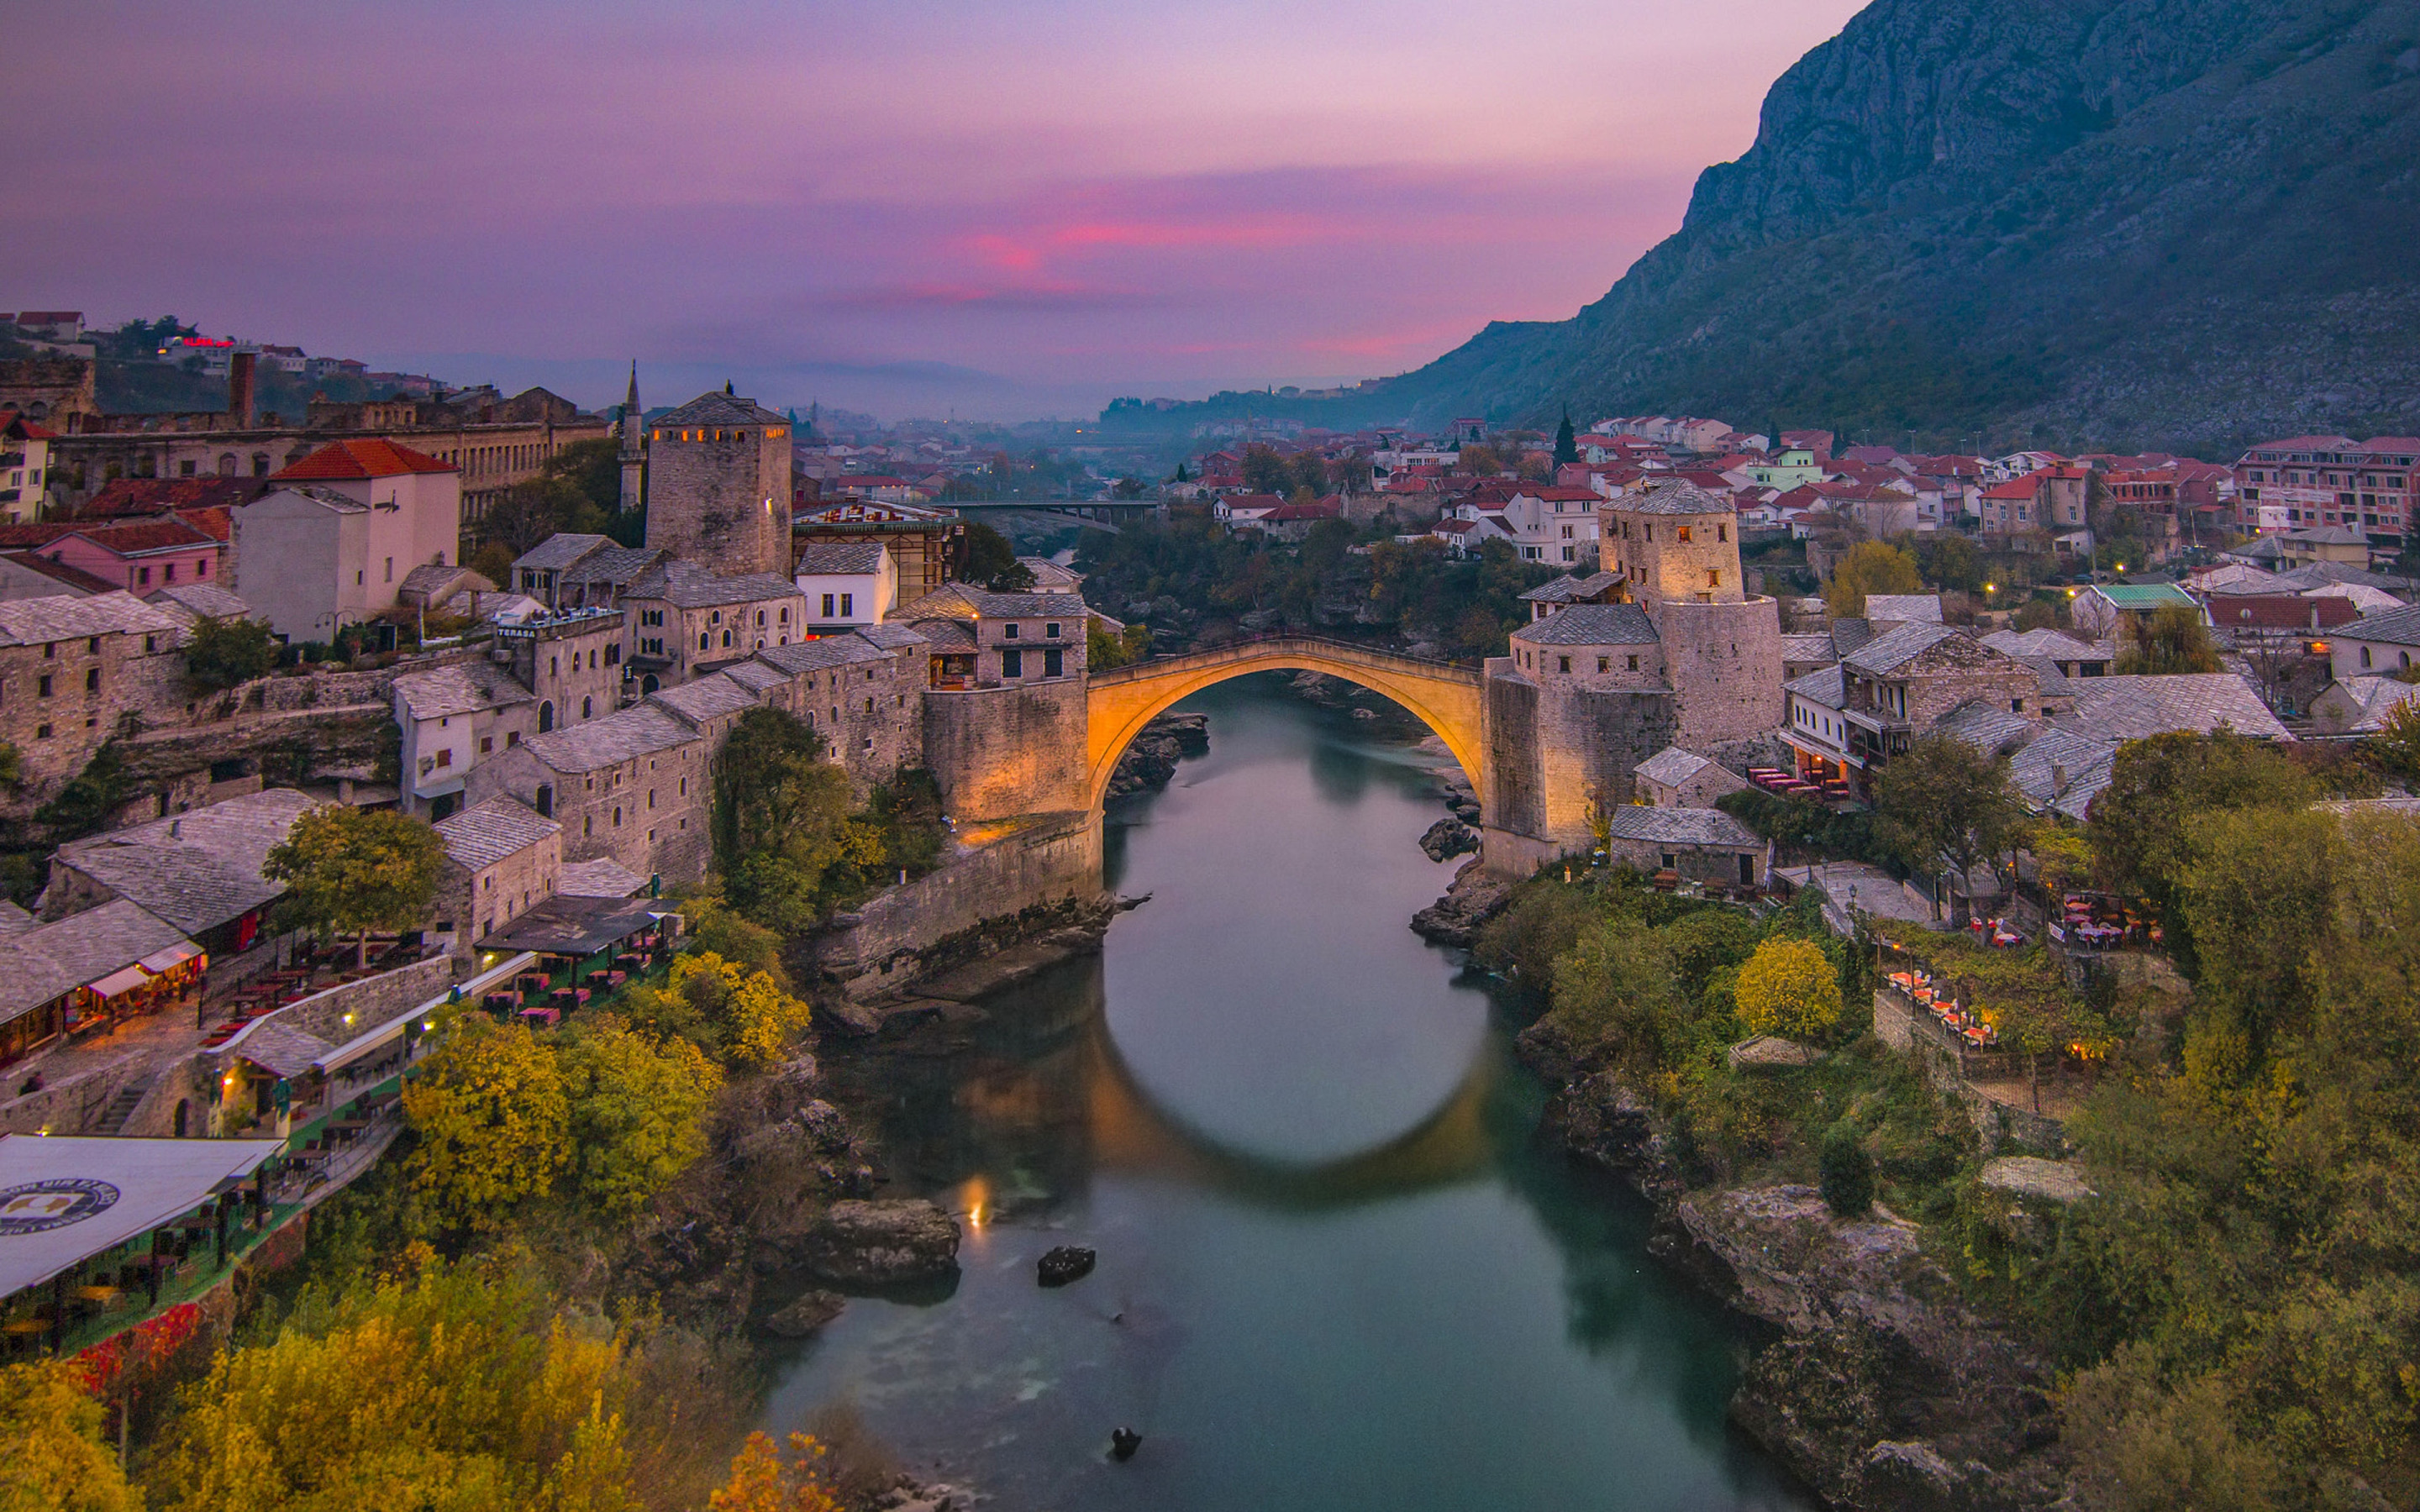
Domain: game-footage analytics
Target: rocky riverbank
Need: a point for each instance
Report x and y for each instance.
(1473, 898)
(1151, 761)
(1882, 1389)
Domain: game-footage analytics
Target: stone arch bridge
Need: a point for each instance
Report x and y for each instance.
(1446, 698)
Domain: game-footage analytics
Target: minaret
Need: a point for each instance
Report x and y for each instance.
(634, 453)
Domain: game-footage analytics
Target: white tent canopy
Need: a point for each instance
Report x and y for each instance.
(64, 1200)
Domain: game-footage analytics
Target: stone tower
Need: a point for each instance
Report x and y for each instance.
(1677, 549)
(1582, 699)
(634, 450)
(718, 484)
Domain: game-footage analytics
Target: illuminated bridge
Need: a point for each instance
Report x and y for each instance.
(1445, 697)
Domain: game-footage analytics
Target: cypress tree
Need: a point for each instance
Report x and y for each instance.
(1567, 449)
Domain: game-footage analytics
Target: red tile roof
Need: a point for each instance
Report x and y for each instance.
(212, 520)
(142, 537)
(11, 421)
(143, 498)
(368, 458)
(75, 577)
(2279, 612)
(44, 534)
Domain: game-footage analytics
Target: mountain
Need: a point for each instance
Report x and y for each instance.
(2178, 223)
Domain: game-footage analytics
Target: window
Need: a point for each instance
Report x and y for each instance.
(1685, 534)
(46, 685)
(150, 642)
(614, 655)
(1054, 663)
(486, 745)
(760, 619)
(92, 680)
(1722, 532)
(49, 649)
(202, 568)
(1634, 664)
(1604, 664)
(142, 577)
(1009, 632)
(1713, 576)
(828, 606)
(446, 757)
(1051, 630)
(390, 569)
(546, 802)
(1012, 664)
(42, 733)
(2364, 655)
(587, 708)
(360, 577)
(587, 825)
(92, 646)
(706, 641)
(847, 606)
(1562, 664)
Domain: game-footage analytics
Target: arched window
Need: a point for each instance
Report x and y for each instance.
(587, 708)
(546, 717)
(184, 1109)
(260, 464)
(226, 464)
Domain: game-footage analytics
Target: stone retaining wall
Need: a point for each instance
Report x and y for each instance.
(1898, 1027)
(1043, 859)
(370, 1002)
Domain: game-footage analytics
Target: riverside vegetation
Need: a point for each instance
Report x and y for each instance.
(536, 1298)
(2228, 1319)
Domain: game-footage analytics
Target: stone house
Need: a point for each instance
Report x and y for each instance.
(566, 571)
(1677, 778)
(1014, 638)
(1902, 683)
(2376, 644)
(453, 718)
(685, 621)
(501, 859)
(846, 584)
(866, 699)
(141, 555)
(2360, 705)
(200, 871)
(2104, 610)
(1702, 846)
(333, 544)
(633, 787)
(73, 669)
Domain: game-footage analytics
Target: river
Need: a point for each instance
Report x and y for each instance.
(1338, 1268)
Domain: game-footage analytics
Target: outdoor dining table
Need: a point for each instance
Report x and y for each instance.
(542, 1017)
(615, 979)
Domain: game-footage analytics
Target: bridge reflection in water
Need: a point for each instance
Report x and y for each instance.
(1040, 1098)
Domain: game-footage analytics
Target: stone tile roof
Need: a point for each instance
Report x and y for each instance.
(1896, 647)
(2133, 708)
(2054, 645)
(1848, 635)
(559, 550)
(947, 638)
(1987, 725)
(197, 870)
(688, 585)
(2393, 626)
(48, 961)
(1680, 827)
(434, 582)
(706, 699)
(281, 1048)
(2376, 697)
(1590, 625)
(832, 650)
(1675, 499)
(985, 604)
(1567, 588)
(618, 738)
(30, 622)
(822, 558)
(2061, 771)
(604, 877)
(719, 410)
(486, 833)
(1823, 686)
(755, 676)
(14, 920)
(203, 601)
(2338, 574)
(1808, 648)
(1671, 767)
(458, 687)
(899, 637)
(1905, 608)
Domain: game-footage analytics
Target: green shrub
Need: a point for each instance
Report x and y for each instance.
(1848, 1171)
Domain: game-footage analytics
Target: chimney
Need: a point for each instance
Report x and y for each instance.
(2057, 778)
(240, 389)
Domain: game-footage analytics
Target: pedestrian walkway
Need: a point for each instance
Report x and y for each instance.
(1854, 886)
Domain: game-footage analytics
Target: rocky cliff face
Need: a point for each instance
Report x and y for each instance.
(2135, 221)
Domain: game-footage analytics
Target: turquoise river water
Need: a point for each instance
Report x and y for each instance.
(1340, 1272)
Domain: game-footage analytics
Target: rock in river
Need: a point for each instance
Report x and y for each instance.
(1065, 1264)
(1449, 837)
(875, 1244)
(806, 1315)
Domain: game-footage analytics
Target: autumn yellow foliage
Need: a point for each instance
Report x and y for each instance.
(763, 1021)
(493, 1118)
(1787, 988)
(637, 1110)
(761, 1481)
(53, 1433)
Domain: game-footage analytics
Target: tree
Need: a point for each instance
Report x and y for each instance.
(1567, 451)
(1869, 567)
(594, 468)
(2395, 747)
(1104, 651)
(1943, 798)
(2259, 895)
(226, 652)
(536, 508)
(782, 828)
(989, 562)
(1847, 1170)
(762, 1481)
(358, 870)
(451, 1388)
(637, 1111)
(763, 1021)
(89, 798)
(58, 1461)
(1480, 461)
(2165, 644)
(2138, 822)
(493, 560)
(493, 1117)
(1789, 988)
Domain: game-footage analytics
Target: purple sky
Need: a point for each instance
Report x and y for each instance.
(1011, 208)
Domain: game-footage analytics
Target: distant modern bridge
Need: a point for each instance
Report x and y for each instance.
(1446, 698)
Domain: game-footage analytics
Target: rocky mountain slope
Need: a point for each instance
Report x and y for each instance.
(2125, 221)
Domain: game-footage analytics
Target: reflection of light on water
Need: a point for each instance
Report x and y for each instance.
(974, 1200)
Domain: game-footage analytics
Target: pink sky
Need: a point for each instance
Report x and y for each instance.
(1011, 208)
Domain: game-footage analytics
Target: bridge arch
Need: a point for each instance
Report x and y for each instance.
(1119, 703)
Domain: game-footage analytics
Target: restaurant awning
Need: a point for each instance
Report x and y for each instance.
(287, 1052)
(576, 927)
(118, 983)
(64, 1199)
(161, 962)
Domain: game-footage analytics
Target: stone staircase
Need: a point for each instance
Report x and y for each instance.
(130, 1097)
